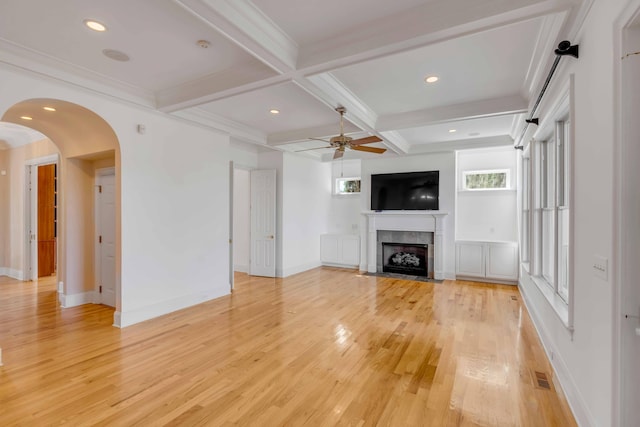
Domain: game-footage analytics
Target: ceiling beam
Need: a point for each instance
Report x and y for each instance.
(462, 144)
(430, 23)
(248, 27)
(469, 110)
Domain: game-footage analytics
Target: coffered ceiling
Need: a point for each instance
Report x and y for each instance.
(227, 63)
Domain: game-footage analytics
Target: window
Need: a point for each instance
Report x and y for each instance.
(347, 186)
(525, 245)
(546, 215)
(486, 180)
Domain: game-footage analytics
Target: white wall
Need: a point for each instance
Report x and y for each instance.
(174, 176)
(584, 360)
(302, 204)
(345, 210)
(443, 162)
(487, 215)
(241, 219)
(306, 204)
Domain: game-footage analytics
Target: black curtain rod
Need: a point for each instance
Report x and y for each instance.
(564, 48)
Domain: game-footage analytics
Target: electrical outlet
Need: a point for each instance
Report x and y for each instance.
(600, 267)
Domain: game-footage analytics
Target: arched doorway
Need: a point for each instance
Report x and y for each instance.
(88, 151)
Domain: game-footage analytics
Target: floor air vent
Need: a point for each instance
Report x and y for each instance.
(542, 381)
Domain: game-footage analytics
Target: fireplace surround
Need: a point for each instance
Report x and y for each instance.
(409, 221)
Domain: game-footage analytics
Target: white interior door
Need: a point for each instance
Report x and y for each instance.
(106, 225)
(263, 223)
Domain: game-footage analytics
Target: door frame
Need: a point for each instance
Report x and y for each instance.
(621, 269)
(97, 298)
(233, 166)
(30, 230)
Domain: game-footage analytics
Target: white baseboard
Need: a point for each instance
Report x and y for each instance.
(122, 319)
(241, 268)
(330, 264)
(298, 269)
(67, 301)
(11, 272)
(576, 402)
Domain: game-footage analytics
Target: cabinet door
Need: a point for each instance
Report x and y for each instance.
(329, 248)
(470, 259)
(502, 261)
(350, 250)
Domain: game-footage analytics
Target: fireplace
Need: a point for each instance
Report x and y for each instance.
(406, 258)
(406, 227)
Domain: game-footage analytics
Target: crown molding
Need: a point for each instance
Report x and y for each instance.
(543, 55)
(50, 67)
(221, 124)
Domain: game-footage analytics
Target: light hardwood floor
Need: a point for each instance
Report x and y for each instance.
(325, 347)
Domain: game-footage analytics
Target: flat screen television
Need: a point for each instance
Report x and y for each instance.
(405, 191)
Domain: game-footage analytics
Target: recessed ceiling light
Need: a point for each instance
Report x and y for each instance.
(116, 55)
(48, 108)
(431, 79)
(452, 130)
(26, 118)
(274, 111)
(95, 25)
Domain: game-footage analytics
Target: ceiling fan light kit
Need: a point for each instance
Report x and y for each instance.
(342, 142)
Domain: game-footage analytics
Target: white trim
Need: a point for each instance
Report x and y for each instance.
(340, 178)
(99, 173)
(67, 301)
(619, 271)
(11, 272)
(290, 271)
(45, 160)
(31, 214)
(140, 314)
(507, 172)
(241, 268)
(565, 382)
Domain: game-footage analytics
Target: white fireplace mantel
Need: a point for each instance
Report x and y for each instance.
(430, 221)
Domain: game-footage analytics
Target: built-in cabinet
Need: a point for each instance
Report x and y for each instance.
(487, 260)
(340, 249)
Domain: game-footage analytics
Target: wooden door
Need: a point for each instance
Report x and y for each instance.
(46, 220)
(263, 223)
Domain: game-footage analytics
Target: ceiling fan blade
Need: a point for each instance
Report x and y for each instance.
(367, 140)
(309, 149)
(369, 149)
(338, 154)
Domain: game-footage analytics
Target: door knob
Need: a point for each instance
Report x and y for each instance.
(270, 236)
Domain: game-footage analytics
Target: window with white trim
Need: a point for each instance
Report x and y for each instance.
(495, 179)
(345, 186)
(547, 192)
(525, 241)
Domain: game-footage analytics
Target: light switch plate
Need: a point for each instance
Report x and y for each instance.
(600, 267)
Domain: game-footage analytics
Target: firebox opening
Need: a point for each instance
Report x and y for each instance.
(406, 258)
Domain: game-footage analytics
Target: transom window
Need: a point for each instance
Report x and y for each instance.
(497, 179)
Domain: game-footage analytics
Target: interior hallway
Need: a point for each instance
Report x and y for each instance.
(324, 347)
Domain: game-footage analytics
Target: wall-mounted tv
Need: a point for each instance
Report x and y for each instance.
(405, 191)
